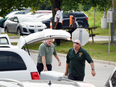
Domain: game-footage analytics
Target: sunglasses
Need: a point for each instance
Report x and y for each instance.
(76, 43)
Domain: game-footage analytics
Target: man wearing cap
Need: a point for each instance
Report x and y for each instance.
(58, 22)
(75, 63)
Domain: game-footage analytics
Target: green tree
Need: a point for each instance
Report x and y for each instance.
(7, 6)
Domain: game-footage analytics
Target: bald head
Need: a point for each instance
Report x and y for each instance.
(49, 42)
(77, 42)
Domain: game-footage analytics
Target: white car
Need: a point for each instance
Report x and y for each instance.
(16, 13)
(16, 63)
(111, 82)
(23, 25)
(40, 83)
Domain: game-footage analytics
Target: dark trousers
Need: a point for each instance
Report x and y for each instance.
(59, 26)
(72, 77)
(40, 67)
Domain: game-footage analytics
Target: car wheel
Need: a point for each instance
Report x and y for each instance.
(6, 30)
(19, 31)
(80, 25)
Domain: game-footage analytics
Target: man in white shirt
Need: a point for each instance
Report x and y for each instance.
(58, 22)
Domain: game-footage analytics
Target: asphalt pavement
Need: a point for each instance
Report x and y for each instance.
(103, 69)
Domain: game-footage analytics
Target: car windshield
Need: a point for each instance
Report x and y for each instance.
(45, 17)
(28, 19)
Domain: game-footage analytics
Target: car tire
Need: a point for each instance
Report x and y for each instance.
(80, 25)
(19, 31)
(6, 30)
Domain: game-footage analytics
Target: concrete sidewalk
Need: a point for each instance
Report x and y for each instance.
(96, 38)
(95, 60)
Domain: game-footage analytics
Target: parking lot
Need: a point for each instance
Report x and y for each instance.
(103, 70)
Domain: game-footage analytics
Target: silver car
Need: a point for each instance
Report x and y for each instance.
(23, 25)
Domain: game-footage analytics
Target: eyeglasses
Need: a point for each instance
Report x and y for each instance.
(77, 43)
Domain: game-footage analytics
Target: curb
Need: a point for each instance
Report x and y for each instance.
(95, 60)
(14, 37)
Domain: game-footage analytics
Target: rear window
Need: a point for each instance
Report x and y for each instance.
(4, 40)
(79, 15)
(10, 61)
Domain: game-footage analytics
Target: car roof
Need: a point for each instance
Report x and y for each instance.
(21, 16)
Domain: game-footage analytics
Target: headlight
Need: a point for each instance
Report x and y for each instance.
(24, 25)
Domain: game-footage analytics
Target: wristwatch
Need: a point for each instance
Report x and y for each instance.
(93, 69)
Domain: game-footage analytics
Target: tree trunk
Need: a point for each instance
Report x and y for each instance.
(55, 3)
(114, 15)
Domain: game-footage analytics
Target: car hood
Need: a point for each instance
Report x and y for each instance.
(32, 23)
(43, 35)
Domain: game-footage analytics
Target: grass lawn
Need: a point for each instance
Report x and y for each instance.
(97, 50)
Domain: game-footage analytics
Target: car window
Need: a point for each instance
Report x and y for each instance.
(65, 15)
(78, 15)
(20, 13)
(15, 19)
(4, 40)
(11, 19)
(10, 61)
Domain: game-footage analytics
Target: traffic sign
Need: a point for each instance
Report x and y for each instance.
(80, 34)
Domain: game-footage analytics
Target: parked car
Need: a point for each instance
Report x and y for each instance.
(15, 62)
(16, 13)
(11, 14)
(23, 24)
(111, 82)
(81, 19)
(2, 22)
(41, 83)
(40, 12)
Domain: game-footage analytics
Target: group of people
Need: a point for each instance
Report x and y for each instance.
(75, 59)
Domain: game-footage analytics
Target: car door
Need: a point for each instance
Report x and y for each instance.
(9, 23)
(14, 24)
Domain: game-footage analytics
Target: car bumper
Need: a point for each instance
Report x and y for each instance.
(31, 30)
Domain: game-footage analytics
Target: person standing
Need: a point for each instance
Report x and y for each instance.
(58, 22)
(73, 26)
(44, 60)
(75, 63)
(74, 23)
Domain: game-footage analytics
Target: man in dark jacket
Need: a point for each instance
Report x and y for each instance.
(75, 63)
